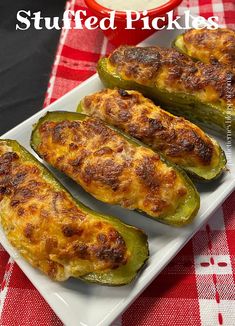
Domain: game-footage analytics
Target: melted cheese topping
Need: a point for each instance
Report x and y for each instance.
(111, 168)
(169, 70)
(211, 46)
(178, 139)
(44, 223)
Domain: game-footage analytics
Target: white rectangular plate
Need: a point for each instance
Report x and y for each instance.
(78, 303)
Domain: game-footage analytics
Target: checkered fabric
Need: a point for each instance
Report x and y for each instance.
(198, 286)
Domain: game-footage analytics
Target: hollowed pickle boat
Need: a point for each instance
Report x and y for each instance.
(201, 92)
(57, 234)
(115, 168)
(179, 140)
(209, 46)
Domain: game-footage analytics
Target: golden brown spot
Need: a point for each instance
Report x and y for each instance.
(44, 213)
(70, 230)
(52, 269)
(76, 163)
(182, 192)
(101, 237)
(98, 225)
(6, 161)
(33, 209)
(103, 151)
(81, 250)
(28, 231)
(87, 101)
(20, 211)
(107, 172)
(106, 253)
(147, 173)
(51, 244)
(123, 93)
(73, 146)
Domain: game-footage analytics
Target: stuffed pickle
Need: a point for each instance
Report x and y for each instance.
(57, 234)
(209, 46)
(201, 92)
(115, 168)
(179, 140)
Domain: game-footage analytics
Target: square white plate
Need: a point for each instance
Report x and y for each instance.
(78, 303)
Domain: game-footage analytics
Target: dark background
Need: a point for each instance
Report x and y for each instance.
(26, 58)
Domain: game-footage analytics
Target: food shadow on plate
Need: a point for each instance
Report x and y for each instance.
(211, 186)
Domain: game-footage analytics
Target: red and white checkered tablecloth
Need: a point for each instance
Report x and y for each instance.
(198, 286)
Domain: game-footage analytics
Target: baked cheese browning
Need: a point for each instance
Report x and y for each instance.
(169, 70)
(110, 167)
(178, 139)
(43, 222)
(209, 46)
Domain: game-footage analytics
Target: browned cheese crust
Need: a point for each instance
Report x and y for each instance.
(110, 167)
(178, 139)
(42, 221)
(211, 46)
(169, 70)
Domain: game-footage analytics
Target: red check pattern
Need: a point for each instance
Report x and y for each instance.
(198, 286)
